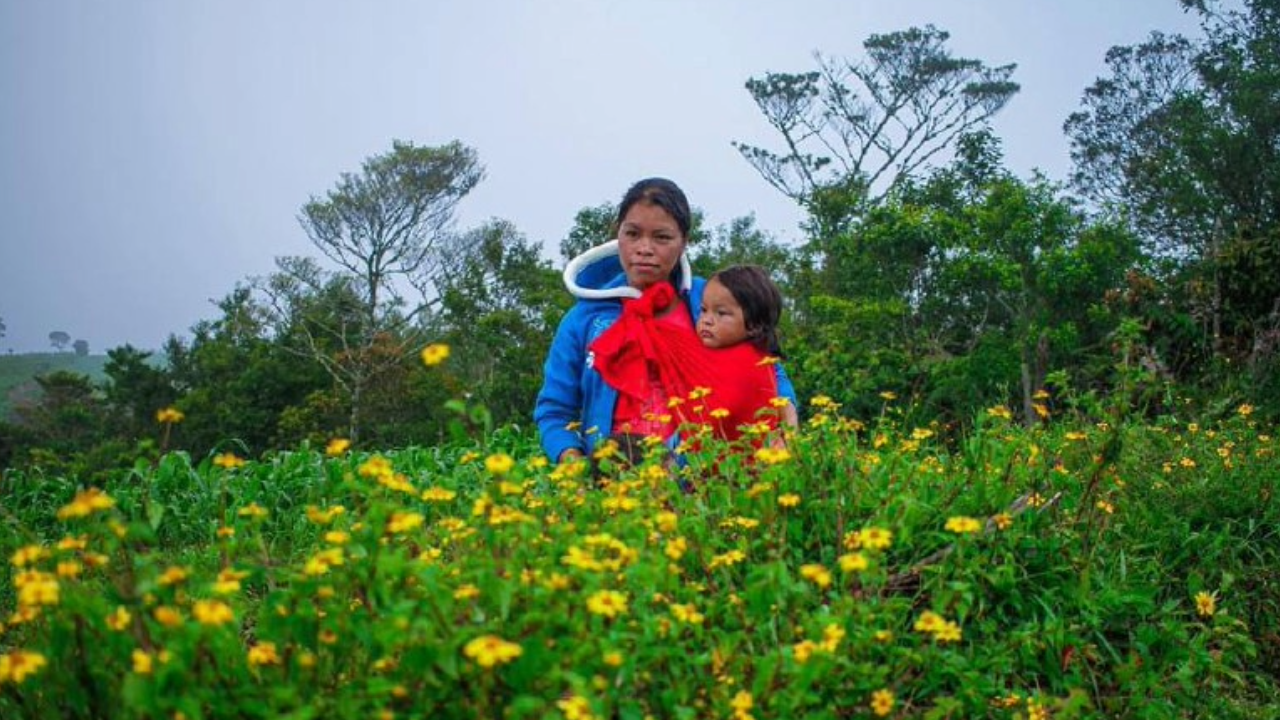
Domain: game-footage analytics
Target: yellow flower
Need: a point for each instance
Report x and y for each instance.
(36, 588)
(889, 395)
(142, 662)
(212, 612)
(961, 525)
(1206, 604)
(337, 446)
(929, 622)
(816, 574)
(29, 555)
(466, 592)
(803, 650)
(85, 503)
(228, 581)
(949, 632)
(921, 434)
(69, 569)
(609, 603)
(613, 658)
(228, 461)
(252, 510)
(263, 653)
(435, 494)
(742, 703)
(1003, 521)
(772, 456)
(687, 613)
(733, 557)
(402, 522)
(169, 415)
(435, 354)
(999, 411)
(119, 619)
(19, 665)
(1245, 410)
(499, 464)
(875, 538)
(676, 548)
(1105, 507)
(1075, 436)
(167, 616)
(789, 500)
(831, 637)
(575, 707)
(70, 543)
(173, 576)
(882, 702)
(490, 650)
(853, 562)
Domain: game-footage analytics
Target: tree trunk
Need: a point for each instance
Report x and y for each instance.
(1028, 411)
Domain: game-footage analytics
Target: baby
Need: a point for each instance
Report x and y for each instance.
(739, 318)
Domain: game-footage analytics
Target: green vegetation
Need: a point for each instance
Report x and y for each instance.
(879, 568)
(18, 373)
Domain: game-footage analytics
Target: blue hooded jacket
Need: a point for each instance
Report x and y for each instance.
(572, 391)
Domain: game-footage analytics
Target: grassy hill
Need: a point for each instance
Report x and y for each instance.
(18, 373)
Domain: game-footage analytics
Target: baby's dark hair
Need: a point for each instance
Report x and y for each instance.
(761, 303)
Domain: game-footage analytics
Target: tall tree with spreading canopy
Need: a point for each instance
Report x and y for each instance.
(856, 128)
(1185, 138)
(386, 229)
(59, 339)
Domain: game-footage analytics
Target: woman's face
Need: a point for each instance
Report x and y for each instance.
(721, 322)
(649, 245)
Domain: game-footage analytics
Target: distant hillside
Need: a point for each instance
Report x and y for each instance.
(18, 372)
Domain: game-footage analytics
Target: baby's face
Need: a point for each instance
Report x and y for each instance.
(720, 321)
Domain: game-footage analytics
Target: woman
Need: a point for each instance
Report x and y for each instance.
(575, 407)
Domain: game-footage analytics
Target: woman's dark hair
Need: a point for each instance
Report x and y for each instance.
(761, 303)
(661, 192)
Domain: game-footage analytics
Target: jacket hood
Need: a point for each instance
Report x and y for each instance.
(597, 274)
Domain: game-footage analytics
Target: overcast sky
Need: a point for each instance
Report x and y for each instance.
(153, 153)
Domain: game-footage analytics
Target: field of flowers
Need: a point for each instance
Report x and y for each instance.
(873, 568)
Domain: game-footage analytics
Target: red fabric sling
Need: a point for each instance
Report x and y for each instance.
(639, 347)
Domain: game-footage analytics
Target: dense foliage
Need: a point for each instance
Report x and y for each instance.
(1092, 565)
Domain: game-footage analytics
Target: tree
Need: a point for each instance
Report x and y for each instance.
(385, 228)
(59, 339)
(860, 127)
(234, 379)
(1185, 139)
(591, 226)
(135, 389)
(81, 347)
(740, 242)
(500, 311)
